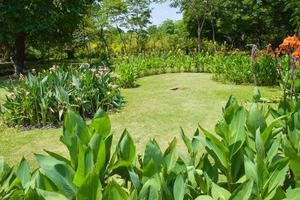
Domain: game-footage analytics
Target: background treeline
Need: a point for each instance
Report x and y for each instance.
(83, 29)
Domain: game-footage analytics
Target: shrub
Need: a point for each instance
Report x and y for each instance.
(233, 68)
(243, 159)
(133, 67)
(238, 69)
(127, 76)
(43, 98)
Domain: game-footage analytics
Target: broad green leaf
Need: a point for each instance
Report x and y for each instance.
(44, 183)
(170, 156)
(266, 135)
(151, 190)
(101, 123)
(80, 170)
(101, 156)
(250, 169)
(47, 195)
(255, 120)
(216, 147)
(219, 192)
(179, 188)
(277, 176)
(209, 169)
(186, 141)
(114, 191)
(196, 141)
(237, 132)
(133, 195)
(59, 173)
(260, 149)
(230, 108)
(23, 173)
(293, 194)
(204, 197)
(90, 188)
(256, 95)
(243, 191)
(126, 147)
(75, 125)
(58, 157)
(134, 179)
(273, 151)
(153, 152)
(150, 168)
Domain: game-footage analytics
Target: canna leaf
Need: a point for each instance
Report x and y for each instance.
(243, 191)
(255, 120)
(47, 195)
(179, 188)
(114, 191)
(23, 173)
(219, 192)
(90, 188)
(101, 123)
(126, 148)
(59, 173)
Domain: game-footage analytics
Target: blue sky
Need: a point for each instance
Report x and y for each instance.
(161, 12)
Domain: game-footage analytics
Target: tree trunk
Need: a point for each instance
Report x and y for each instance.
(299, 32)
(199, 35)
(199, 30)
(213, 34)
(20, 53)
(104, 41)
(122, 40)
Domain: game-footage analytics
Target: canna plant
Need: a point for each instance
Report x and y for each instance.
(42, 99)
(235, 67)
(248, 157)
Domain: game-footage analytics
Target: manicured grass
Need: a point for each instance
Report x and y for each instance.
(152, 110)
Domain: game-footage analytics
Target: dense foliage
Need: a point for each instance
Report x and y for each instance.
(234, 68)
(42, 98)
(253, 154)
(42, 24)
(107, 28)
(240, 22)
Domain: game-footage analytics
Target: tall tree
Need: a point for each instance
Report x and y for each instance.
(200, 11)
(53, 21)
(138, 18)
(294, 7)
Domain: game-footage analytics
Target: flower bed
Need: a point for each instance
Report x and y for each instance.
(41, 99)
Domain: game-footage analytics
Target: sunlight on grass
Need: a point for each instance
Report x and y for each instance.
(157, 109)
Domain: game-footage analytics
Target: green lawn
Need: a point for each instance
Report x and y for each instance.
(152, 111)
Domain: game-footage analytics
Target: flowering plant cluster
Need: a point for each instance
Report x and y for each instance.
(42, 98)
(290, 46)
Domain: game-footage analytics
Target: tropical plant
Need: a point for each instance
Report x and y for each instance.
(234, 68)
(243, 159)
(41, 99)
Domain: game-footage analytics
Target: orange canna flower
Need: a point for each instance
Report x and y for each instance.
(289, 44)
(264, 53)
(296, 54)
